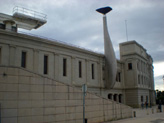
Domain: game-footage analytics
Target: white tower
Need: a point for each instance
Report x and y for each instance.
(110, 59)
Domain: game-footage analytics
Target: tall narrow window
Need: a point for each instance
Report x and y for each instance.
(45, 64)
(141, 98)
(109, 96)
(129, 66)
(119, 76)
(138, 79)
(80, 69)
(103, 72)
(23, 59)
(92, 67)
(64, 67)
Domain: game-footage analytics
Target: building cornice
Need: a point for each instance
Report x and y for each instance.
(50, 42)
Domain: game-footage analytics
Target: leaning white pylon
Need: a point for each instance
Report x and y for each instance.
(110, 58)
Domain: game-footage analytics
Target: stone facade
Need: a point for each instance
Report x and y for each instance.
(27, 97)
(138, 74)
(41, 79)
(82, 66)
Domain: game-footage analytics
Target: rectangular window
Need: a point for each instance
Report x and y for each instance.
(119, 76)
(138, 79)
(92, 67)
(129, 66)
(141, 98)
(45, 64)
(23, 59)
(103, 72)
(64, 67)
(80, 69)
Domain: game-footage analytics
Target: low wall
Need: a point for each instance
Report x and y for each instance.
(26, 97)
(139, 112)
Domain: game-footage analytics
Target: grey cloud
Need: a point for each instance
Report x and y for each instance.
(76, 22)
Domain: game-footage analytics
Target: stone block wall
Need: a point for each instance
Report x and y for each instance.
(26, 97)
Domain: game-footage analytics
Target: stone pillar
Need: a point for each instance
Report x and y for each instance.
(87, 71)
(117, 97)
(36, 60)
(12, 49)
(56, 66)
(73, 69)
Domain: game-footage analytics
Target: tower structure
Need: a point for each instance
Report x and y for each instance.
(110, 59)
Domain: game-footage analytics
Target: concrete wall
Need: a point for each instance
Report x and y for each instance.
(26, 97)
(138, 81)
(12, 45)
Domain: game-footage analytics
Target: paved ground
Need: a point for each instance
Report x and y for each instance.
(152, 118)
(149, 115)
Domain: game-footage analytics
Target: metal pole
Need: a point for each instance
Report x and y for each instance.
(0, 113)
(163, 79)
(84, 103)
(126, 30)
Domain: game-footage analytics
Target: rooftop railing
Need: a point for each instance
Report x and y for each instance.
(61, 42)
(29, 12)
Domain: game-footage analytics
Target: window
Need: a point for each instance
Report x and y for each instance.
(45, 64)
(115, 97)
(141, 98)
(129, 66)
(119, 76)
(138, 79)
(64, 67)
(93, 77)
(103, 72)
(80, 69)
(120, 98)
(109, 96)
(23, 59)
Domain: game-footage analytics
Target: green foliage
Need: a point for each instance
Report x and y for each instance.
(160, 96)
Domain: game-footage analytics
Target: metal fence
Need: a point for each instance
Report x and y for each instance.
(29, 12)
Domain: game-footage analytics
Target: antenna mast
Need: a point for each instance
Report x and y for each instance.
(163, 79)
(126, 30)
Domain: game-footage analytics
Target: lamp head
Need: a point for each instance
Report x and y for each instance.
(104, 10)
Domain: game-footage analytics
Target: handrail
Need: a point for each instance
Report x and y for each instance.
(29, 12)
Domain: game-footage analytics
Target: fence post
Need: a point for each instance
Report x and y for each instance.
(0, 112)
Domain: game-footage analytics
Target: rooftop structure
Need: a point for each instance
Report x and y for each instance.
(22, 18)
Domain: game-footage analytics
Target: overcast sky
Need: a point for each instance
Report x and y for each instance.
(76, 22)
